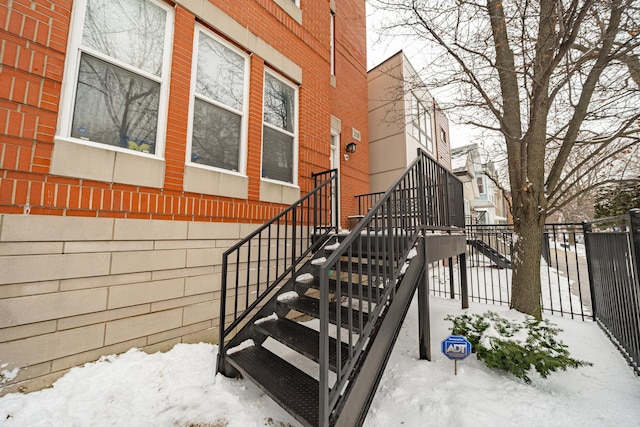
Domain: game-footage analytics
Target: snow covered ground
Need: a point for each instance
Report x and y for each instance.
(180, 388)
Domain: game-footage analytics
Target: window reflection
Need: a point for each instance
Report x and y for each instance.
(278, 130)
(131, 31)
(115, 106)
(216, 136)
(218, 105)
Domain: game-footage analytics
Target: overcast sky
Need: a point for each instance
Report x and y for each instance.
(379, 50)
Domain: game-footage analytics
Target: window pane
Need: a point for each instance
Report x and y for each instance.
(279, 103)
(277, 155)
(216, 136)
(131, 31)
(220, 73)
(115, 107)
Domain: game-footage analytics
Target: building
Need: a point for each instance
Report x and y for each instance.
(403, 117)
(140, 139)
(485, 202)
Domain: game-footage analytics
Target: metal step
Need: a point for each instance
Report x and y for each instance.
(305, 341)
(311, 306)
(368, 293)
(294, 390)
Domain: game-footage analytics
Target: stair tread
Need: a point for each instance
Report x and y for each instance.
(304, 340)
(357, 289)
(291, 388)
(311, 306)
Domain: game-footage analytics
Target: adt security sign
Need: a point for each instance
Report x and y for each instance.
(456, 347)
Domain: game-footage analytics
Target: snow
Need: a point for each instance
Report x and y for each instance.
(304, 278)
(180, 388)
(290, 295)
(318, 261)
(244, 344)
(333, 246)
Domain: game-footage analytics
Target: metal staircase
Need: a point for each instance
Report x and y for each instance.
(490, 252)
(311, 316)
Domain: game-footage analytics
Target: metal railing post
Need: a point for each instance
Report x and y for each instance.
(422, 190)
(424, 325)
(634, 225)
(336, 203)
(464, 288)
(586, 230)
(223, 304)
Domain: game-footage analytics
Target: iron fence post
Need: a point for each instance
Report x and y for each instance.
(424, 326)
(452, 289)
(634, 224)
(464, 288)
(586, 231)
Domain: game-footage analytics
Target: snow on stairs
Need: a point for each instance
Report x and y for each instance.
(289, 386)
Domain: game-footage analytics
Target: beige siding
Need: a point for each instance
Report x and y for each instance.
(74, 289)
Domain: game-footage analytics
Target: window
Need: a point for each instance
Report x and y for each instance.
(219, 103)
(480, 181)
(332, 42)
(279, 129)
(119, 91)
(421, 123)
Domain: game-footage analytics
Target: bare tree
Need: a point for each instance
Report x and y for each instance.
(557, 80)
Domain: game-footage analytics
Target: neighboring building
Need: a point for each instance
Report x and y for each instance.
(403, 117)
(485, 203)
(140, 139)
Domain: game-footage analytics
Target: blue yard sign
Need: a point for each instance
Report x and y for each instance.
(456, 348)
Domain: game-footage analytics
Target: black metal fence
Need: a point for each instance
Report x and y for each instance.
(613, 250)
(589, 271)
(564, 273)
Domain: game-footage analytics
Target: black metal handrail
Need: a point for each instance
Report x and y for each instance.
(256, 265)
(442, 190)
(373, 255)
(366, 201)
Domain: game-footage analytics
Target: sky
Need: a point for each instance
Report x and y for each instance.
(380, 49)
(180, 388)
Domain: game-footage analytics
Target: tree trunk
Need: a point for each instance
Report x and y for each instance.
(526, 288)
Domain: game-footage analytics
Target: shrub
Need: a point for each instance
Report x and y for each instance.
(513, 346)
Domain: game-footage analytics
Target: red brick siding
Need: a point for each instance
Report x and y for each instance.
(350, 98)
(33, 37)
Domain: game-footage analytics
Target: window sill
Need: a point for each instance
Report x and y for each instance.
(214, 182)
(278, 192)
(291, 9)
(78, 160)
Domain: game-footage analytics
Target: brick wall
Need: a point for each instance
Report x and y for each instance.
(34, 38)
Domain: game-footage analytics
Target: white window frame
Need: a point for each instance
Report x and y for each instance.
(71, 74)
(481, 182)
(294, 172)
(242, 159)
(420, 118)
